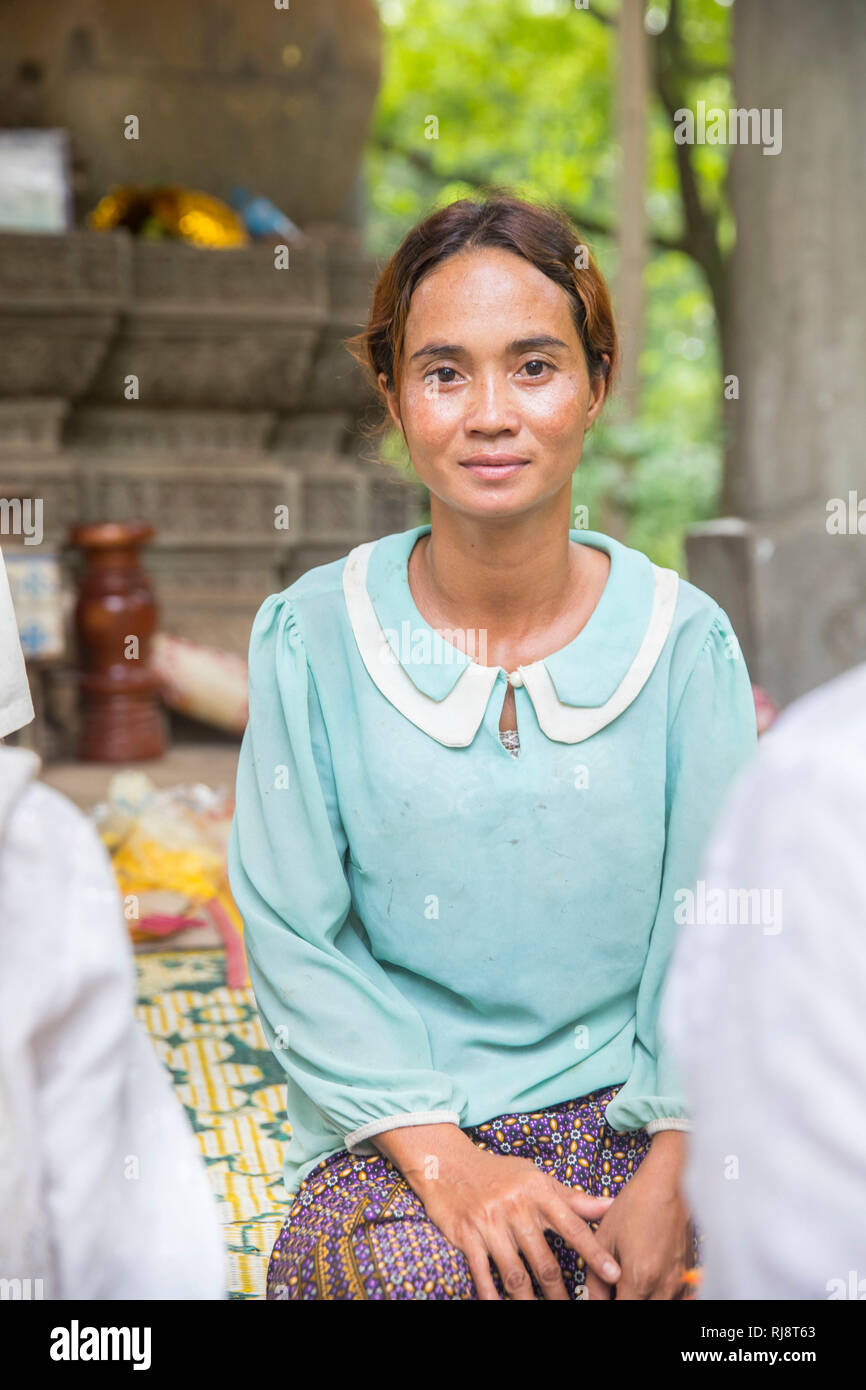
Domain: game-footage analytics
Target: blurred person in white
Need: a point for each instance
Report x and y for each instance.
(767, 1016)
(103, 1194)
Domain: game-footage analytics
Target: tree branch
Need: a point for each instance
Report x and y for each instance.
(701, 239)
(584, 220)
(611, 20)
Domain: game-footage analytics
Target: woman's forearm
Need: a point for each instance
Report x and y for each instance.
(420, 1151)
(667, 1154)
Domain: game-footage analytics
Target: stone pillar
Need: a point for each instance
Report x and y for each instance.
(792, 579)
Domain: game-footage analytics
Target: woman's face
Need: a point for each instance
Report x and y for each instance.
(493, 369)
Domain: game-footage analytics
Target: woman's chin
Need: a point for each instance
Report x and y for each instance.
(487, 502)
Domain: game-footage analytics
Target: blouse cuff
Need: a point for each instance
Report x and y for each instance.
(356, 1142)
(672, 1122)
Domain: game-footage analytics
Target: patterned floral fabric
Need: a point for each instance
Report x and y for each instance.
(233, 1089)
(357, 1231)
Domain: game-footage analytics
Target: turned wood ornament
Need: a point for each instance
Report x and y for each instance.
(115, 618)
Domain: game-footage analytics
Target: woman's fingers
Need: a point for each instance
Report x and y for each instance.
(689, 1252)
(478, 1258)
(670, 1286)
(512, 1271)
(590, 1208)
(596, 1257)
(596, 1289)
(511, 1235)
(543, 1262)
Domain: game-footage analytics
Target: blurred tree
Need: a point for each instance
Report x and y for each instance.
(629, 297)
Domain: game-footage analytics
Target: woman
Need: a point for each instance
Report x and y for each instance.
(482, 758)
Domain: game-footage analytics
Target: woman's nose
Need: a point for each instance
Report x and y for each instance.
(489, 405)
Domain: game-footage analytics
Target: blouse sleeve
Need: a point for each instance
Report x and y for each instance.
(712, 736)
(345, 1035)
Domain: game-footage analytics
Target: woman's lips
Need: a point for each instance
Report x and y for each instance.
(493, 466)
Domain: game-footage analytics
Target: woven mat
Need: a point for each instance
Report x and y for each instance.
(210, 1040)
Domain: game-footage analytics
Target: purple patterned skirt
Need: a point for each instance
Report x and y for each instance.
(356, 1230)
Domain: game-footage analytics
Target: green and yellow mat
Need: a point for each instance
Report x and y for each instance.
(210, 1040)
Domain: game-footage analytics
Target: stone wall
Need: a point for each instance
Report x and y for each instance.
(247, 404)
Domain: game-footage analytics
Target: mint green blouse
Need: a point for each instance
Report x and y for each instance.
(437, 930)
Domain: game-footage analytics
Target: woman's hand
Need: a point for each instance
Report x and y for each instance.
(498, 1206)
(648, 1228)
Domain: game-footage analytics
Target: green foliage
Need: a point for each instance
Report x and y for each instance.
(523, 93)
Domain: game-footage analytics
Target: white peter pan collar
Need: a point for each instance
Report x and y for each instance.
(575, 691)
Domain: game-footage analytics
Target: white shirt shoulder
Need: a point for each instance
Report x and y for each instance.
(765, 1015)
(106, 1162)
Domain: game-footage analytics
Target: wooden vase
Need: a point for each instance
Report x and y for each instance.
(115, 618)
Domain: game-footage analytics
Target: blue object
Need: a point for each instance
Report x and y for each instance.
(262, 218)
(437, 931)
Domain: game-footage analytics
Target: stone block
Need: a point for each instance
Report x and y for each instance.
(795, 594)
(31, 428)
(229, 505)
(337, 379)
(209, 596)
(222, 329)
(194, 434)
(60, 299)
(43, 491)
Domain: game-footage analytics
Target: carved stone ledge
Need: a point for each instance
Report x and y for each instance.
(78, 269)
(241, 279)
(336, 377)
(227, 505)
(325, 431)
(227, 329)
(51, 351)
(60, 299)
(333, 502)
(181, 362)
(211, 597)
(51, 481)
(137, 428)
(32, 426)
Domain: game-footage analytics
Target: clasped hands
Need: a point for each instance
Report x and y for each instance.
(498, 1207)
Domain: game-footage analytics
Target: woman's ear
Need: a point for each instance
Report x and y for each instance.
(597, 392)
(391, 402)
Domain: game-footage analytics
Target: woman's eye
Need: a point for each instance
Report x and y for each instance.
(536, 362)
(434, 373)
